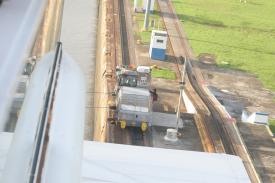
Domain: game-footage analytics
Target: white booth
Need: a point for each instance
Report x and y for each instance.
(158, 45)
(256, 117)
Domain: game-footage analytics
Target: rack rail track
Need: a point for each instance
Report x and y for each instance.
(210, 138)
(123, 34)
(228, 132)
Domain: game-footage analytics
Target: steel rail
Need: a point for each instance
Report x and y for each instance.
(123, 34)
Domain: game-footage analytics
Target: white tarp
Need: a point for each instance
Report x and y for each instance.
(5, 141)
(64, 148)
(103, 162)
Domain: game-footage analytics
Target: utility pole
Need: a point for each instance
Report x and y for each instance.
(147, 13)
(135, 5)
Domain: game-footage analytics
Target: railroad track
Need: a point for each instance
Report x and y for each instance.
(228, 133)
(133, 134)
(123, 34)
(114, 28)
(210, 138)
(129, 136)
(120, 50)
(140, 138)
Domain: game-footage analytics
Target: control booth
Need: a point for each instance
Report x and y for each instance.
(158, 45)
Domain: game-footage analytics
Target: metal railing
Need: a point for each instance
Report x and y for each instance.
(41, 139)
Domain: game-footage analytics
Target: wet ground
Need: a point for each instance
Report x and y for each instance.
(188, 138)
(238, 90)
(232, 103)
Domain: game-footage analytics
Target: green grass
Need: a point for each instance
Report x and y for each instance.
(163, 73)
(241, 35)
(272, 125)
(145, 36)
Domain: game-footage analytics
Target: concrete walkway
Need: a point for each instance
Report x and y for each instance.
(78, 34)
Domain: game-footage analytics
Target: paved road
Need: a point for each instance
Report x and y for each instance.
(78, 34)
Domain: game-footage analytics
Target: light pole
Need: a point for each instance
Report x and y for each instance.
(135, 5)
(147, 13)
(171, 133)
(178, 110)
(184, 62)
(181, 87)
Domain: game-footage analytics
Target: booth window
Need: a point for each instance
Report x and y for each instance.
(160, 34)
(159, 41)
